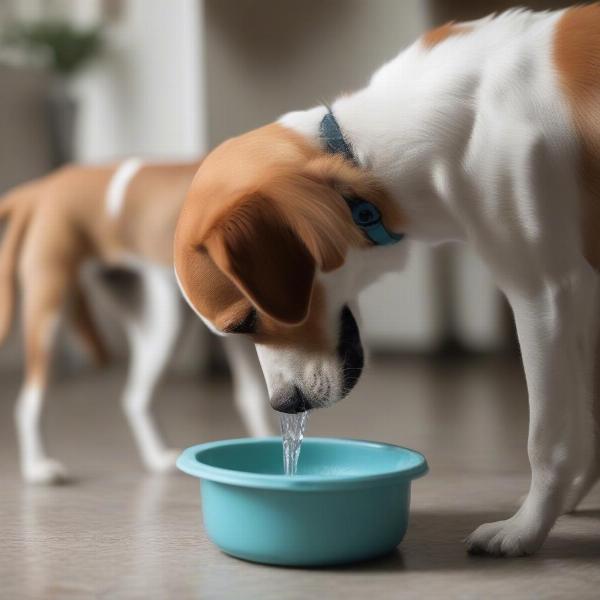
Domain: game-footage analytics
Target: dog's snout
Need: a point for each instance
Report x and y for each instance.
(290, 401)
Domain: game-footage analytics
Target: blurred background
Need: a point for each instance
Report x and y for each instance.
(94, 80)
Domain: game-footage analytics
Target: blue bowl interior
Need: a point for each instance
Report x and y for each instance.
(321, 459)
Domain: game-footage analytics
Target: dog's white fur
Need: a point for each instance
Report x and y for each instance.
(466, 135)
(117, 188)
(152, 325)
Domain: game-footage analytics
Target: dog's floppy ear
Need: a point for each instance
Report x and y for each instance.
(265, 258)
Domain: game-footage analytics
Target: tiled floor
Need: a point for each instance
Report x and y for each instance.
(118, 533)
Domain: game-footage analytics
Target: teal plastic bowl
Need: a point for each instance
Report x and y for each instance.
(348, 502)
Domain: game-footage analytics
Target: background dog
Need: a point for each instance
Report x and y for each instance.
(105, 219)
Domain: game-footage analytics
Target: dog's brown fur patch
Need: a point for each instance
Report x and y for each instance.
(577, 60)
(443, 32)
(152, 204)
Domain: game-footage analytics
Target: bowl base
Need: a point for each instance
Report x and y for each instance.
(324, 563)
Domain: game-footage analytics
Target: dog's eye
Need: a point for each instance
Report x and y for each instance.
(248, 325)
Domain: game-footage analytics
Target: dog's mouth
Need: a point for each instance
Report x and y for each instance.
(350, 351)
(293, 398)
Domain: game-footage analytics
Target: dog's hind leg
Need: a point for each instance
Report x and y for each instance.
(83, 322)
(152, 328)
(44, 292)
(250, 393)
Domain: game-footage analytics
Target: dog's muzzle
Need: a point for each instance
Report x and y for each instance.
(350, 353)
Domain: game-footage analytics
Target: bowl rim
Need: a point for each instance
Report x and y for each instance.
(188, 463)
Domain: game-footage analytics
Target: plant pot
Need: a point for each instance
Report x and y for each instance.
(62, 116)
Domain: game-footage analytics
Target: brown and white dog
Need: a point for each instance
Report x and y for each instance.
(121, 216)
(485, 132)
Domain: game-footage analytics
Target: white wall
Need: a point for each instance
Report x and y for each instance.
(145, 96)
(265, 57)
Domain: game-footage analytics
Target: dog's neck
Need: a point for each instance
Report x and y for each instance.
(412, 136)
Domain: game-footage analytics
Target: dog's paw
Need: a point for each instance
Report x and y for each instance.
(513, 537)
(163, 462)
(45, 472)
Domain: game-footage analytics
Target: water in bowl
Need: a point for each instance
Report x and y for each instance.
(292, 434)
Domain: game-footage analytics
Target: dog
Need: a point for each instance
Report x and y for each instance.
(103, 220)
(484, 132)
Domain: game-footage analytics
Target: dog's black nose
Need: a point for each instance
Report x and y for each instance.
(291, 401)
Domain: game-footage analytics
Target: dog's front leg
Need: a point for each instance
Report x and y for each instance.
(152, 331)
(553, 327)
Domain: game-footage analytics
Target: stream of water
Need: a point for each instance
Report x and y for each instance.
(292, 434)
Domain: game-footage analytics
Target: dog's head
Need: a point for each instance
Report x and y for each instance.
(266, 247)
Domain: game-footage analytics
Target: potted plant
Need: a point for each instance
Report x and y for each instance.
(62, 49)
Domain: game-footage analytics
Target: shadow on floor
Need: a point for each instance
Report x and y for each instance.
(434, 543)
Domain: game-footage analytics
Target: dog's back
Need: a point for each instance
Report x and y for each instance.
(82, 212)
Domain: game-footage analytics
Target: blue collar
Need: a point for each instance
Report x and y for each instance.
(365, 214)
